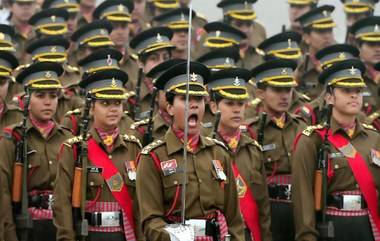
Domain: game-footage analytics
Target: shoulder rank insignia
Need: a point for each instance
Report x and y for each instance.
(151, 146)
(130, 94)
(305, 97)
(74, 112)
(310, 129)
(139, 123)
(207, 125)
(73, 140)
(373, 116)
(217, 142)
(255, 143)
(255, 102)
(132, 138)
(369, 127)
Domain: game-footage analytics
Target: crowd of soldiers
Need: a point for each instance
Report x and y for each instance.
(140, 120)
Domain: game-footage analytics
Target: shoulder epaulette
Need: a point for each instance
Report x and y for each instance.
(130, 94)
(255, 102)
(207, 124)
(202, 16)
(74, 112)
(217, 142)
(132, 138)
(305, 97)
(10, 133)
(151, 146)
(21, 67)
(255, 143)
(72, 68)
(369, 127)
(373, 116)
(260, 51)
(72, 141)
(310, 129)
(139, 123)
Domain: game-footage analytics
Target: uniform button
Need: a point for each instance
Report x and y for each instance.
(200, 180)
(50, 163)
(110, 156)
(30, 166)
(269, 159)
(289, 154)
(357, 185)
(92, 184)
(336, 166)
(366, 104)
(175, 182)
(52, 184)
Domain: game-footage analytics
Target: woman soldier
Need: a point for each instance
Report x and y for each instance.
(212, 207)
(43, 138)
(109, 167)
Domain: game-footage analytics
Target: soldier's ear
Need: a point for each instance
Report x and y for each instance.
(306, 38)
(169, 109)
(260, 93)
(213, 107)
(329, 98)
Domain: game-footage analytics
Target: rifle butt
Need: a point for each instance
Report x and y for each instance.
(318, 190)
(17, 182)
(77, 192)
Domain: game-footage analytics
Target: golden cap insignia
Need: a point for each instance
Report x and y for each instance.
(2, 36)
(228, 61)
(47, 74)
(193, 77)
(53, 49)
(159, 38)
(217, 33)
(53, 18)
(103, 32)
(352, 70)
(342, 56)
(120, 8)
(66, 1)
(109, 60)
(325, 13)
(376, 30)
(183, 17)
(284, 71)
(237, 81)
(289, 43)
(113, 83)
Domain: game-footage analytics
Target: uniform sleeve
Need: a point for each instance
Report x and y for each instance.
(62, 209)
(303, 168)
(150, 197)
(2, 210)
(231, 205)
(264, 206)
(7, 157)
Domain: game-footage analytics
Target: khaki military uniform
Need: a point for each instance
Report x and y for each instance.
(341, 179)
(159, 127)
(277, 151)
(307, 78)
(250, 59)
(129, 65)
(206, 192)
(145, 101)
(42, 170)
(126, 148)
(259, 34)
(374, 120)
(11, 115)
(20, 42)
(371, 100)
(249, 161)
(2, 207)
(65, 104)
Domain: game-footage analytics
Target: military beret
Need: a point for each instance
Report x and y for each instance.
(41, 75)
(52, 48)
(346, 74)
(230, 83)
(283, 45)
(221, 58)
(51, 21)
(151, 40)
(318, 18)
(275, 73)
(238, 9)
(175, 79)
(105, 84)
(221, 35)
(336, 53)
(95, 34)
(114, 10)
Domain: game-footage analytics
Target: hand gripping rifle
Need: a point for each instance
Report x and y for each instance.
(148, 135)
(137, 107)
(325, 228)
(80, 173)
(20, 178)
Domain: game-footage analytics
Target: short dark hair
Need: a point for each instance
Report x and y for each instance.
(170, 97)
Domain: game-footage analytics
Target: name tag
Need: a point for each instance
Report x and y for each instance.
(169, 167)
(269, 147)
(94, 169)
(366, 94)
(131, 170)
(219, 170)
(335, 155)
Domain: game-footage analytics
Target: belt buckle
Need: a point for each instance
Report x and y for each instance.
(352, 202)
(110, 219)
(199, 226)
(288, 191)
(47, 201)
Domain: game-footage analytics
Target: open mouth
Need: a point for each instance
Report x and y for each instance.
(192, 120)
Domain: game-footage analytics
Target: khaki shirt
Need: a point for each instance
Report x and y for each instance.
(205, 193)
(42, 162)
(65, 104)
(278, 143)
(305, 162)
(159, 129)
(11, 115)
(307, 77)
(249, 160)
(126, 148)
(259, 34)
(128, 65)
(371, 100)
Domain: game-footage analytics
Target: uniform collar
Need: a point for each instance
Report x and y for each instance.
(117, 143)
(335, 127)
(57, 127)
(159, 122)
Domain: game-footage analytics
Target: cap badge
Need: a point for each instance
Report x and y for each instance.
(246, 7)
(109, 60)
(218, 33)
(325, 13)
(284, 71)
(289, 43)
(47, 74)
(227, 61)
(342, 56)
(183, 17)
(113, 83)
(120, 8)
(376, 30)
(53, 18)
(352, 70)
(53, 49)
(2, 36)
(159, 38)
(103, 32)
(237, 81)
(193, 77)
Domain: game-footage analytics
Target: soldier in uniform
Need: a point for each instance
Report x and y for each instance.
(86, 9)
(367, 35)
(9, 114)
(297, 8)
(313, 112)
(43, 139)
(109, 204)
(356, 10)
(49, 22)
(229, 93)
(352, 155)
(317, 28)
(152, 47)
(213, 195)
(275, 83)
(140, 20)
(118, 12)
(158, 7)
(241, 15)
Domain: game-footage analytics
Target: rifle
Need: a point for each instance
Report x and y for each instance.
(260, 134)
(216, 124)
(137, 107)
(148, 135)
(20, 178)
(80, 172)
(325, 228)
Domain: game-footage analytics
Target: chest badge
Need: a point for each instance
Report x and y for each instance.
(169, 167)
(131, 170)
(219, 170)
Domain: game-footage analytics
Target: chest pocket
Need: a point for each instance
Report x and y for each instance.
(272, 152)
(256, 177)
(338, 163)
(95, 180)
(34, 159)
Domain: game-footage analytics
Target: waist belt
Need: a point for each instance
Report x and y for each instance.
(42, 201)
(280, 191)
(105, 219)
(347, 202)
